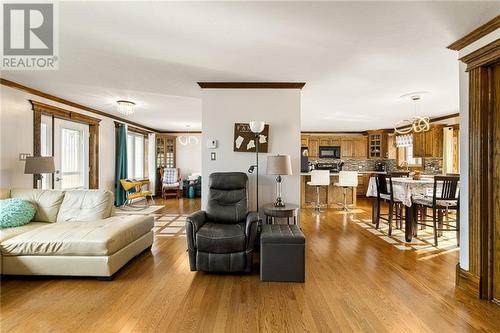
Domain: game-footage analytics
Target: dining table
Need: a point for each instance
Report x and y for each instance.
(404, 188)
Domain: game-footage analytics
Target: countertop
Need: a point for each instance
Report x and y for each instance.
(336, 173)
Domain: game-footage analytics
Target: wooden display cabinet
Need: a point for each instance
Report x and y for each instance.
(165, 157)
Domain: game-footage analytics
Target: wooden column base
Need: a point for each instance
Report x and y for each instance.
(468, 282)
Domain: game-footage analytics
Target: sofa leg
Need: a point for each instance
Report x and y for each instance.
(105, 278)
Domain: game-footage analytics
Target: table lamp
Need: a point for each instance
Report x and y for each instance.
(279, 165)
(39, 165)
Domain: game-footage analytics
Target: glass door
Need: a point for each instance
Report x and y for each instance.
(71, 151)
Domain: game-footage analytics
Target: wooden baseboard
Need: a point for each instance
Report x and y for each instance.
(468, 282)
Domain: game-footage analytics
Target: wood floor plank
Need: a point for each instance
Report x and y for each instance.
(355, 282)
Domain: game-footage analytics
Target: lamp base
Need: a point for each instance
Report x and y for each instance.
(279, 202)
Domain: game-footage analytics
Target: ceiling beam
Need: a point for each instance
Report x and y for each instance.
(251, 85)
(39, 93)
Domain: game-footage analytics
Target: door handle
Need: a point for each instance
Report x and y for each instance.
(58, 179)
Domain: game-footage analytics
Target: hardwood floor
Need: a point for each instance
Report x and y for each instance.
(354, 282)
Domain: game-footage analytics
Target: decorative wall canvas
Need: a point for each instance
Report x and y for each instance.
(244, 139)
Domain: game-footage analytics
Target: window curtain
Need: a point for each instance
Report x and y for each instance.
(121, 163)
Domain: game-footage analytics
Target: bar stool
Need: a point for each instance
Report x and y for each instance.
(347, 179)
(319, 178)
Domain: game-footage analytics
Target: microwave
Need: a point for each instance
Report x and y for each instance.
(329, 152)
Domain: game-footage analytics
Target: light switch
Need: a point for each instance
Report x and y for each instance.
(23, 156)
(212, 156)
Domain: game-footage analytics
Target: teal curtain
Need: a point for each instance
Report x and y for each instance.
(121, 164)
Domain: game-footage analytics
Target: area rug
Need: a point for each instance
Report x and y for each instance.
(134, 210)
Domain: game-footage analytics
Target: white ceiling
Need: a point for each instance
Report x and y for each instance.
(356, 57)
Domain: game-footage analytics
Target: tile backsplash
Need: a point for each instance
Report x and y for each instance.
(360, 165)
(433, 166)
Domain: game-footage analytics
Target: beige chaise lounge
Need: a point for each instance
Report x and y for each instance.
(73, 233)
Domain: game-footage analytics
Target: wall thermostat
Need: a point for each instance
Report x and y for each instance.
(211, 143)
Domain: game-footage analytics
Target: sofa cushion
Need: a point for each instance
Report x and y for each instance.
(85, 205)
(90, 238)
(47, 202)
(13, 232)
(15, 212)
(221, 238)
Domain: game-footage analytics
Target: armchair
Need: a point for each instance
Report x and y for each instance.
(170, 183)
(221, 239)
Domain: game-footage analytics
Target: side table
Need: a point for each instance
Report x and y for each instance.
(271, 212)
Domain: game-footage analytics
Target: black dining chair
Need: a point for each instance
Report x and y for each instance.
(445, 196)
(400, 174)
(386, 194)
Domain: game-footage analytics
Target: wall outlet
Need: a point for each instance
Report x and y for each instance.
(23, 156)
(211, 143)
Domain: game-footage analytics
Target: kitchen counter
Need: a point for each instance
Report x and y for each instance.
(359, 173)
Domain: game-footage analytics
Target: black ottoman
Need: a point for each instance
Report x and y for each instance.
(282, 253)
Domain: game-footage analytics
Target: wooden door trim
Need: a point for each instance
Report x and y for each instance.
(56, 112)
(484, 56)
(481, 133)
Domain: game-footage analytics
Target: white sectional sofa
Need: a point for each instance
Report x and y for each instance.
(73, 233)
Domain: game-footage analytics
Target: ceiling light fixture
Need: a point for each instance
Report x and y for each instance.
(416, 124)
(125, 107)
(187, 139)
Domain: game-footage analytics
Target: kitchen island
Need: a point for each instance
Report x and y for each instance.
(331, 195)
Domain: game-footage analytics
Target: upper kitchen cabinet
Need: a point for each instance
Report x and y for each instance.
(381, 145)
(313, 146)
(354, 147)
(429, 143)
(304, 141)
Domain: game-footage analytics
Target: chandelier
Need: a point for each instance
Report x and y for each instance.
(125, 107)
(416, 124)
(187, 139)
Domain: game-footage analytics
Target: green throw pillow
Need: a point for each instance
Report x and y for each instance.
(15, 212)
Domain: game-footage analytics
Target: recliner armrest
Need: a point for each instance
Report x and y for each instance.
(193, 223)
(251, 229)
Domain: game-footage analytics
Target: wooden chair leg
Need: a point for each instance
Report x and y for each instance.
(434, 224)
(378, 215)
(440, 222)
(391, 213)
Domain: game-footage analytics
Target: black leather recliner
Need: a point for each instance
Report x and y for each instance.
(221, 239)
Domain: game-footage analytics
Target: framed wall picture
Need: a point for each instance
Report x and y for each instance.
(244, 139)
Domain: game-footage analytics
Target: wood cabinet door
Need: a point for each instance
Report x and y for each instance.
(390, 146)
(304, 142)
(347, 148)
(336, 142)
(313, 145)
(324, 142)
(418, 145)
(360, 148)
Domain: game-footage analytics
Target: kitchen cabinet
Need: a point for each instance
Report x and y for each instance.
(347, 148)
(313, 146)
(304, 141)
(429, 143)
(325, 142)
(381, 145)
(360, 147)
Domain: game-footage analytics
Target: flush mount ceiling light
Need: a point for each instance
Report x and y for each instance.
(125, 107)
(187, 139)
(416, 124)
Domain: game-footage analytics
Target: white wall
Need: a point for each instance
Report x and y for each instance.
(188, 157)
(280, 108)
(16, 135)
(464, 145)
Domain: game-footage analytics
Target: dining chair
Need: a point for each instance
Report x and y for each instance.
(445, 196)
(400, 174)
(386, 194)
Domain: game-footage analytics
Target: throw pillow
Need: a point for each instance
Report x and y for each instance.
(15, 212)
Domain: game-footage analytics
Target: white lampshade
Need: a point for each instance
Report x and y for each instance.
(279, 165)
(256, 126)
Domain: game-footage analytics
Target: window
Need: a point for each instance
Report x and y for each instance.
(409, 157)
(135, 155)
(46, 147)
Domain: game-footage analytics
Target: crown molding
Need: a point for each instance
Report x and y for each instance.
(473, 36)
